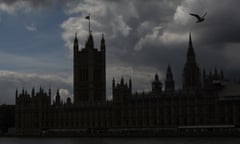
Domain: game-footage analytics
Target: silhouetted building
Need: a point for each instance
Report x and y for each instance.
(121, 91)
(191, 72)
(205, 104)
(169, 82)
(156, 86)
(89, 72)
(7, 117)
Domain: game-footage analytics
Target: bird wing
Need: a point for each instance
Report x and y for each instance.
(195, 15)
(204, 14)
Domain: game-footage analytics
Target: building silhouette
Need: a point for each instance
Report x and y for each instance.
(169, 81)
(206, 103)
(191, 72)
(89, 72)
(7, 118)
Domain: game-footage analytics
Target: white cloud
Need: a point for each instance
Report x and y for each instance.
(144, 27)
(64, 93)
(12, 8)
(152, 37)
(169, 38)
(73, 25)
(181, 16)
(105, 18)
(121, 27)
(31, 28)
(85, 7)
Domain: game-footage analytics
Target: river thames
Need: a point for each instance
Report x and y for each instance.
(169, 140)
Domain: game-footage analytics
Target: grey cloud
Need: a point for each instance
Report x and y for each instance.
(221, 25)
(147, 46)
(142, 22)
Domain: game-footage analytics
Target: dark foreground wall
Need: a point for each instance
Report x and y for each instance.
(7, 118)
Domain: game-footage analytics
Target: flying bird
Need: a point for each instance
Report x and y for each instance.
(199, 19)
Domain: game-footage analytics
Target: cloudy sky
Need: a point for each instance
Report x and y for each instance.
(142, 38)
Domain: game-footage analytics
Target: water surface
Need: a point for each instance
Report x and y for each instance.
(121, 140)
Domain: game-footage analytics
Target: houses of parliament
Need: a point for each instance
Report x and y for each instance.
(205, 103)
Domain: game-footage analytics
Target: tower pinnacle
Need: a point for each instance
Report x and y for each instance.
(190, 53)
(191, 72)
(190, 40)
(75, 44)
(102, 43)
(169, 82)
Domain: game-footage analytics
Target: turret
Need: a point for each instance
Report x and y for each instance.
(113, 83)
(49, 92)
(103, 46)
(90, 43)
(169, 82)
(40, 90)
(156, 77)
(122, 81)
(69, 101)
(130, 85)
(57, 98)
(215, 76)
(113, 87)
(222, 75)
(121, 91)
(58, 93)
(156, 85)
(75, 44)
(33, 92)
(16, 94)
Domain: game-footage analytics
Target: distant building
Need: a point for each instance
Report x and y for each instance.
(204, 102)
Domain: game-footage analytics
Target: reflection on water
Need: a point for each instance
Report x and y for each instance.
(120, 140)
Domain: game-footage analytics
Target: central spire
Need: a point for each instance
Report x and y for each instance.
(190, 40)
(190, 53)
(191, 72)
(90, 42)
